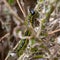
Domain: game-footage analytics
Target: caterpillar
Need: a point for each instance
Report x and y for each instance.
(23, 44)
(31, 18)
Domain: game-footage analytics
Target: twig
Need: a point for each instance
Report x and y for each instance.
(11, 10)
(7, 56)
(16, 45)
(4, 36)
(54, 31)
(21, 8)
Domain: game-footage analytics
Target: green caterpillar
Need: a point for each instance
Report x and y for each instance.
(31, 18)
(22, 46)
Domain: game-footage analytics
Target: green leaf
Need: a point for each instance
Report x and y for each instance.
(10, 2)
(38, 56)
(34, 49)
(33, 41)
(41, 0)
(55, 58)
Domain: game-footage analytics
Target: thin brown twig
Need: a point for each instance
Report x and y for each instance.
(12, 12)
(16, 46)
(7, 56)
(21, 8)
(4, 36)
(52, 32)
